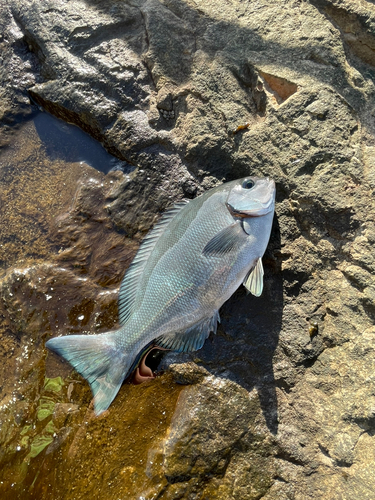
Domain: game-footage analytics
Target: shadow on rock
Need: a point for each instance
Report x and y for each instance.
(174, 32)
(176, 76)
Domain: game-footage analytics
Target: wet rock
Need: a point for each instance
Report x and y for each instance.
(207, 442)
(34, 190)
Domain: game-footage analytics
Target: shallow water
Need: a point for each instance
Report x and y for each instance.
(61, 262)
(63, 141)
(34, 189)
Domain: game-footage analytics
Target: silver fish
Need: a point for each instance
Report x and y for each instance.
(186, 268)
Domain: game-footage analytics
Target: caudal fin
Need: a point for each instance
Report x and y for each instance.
(96, 358)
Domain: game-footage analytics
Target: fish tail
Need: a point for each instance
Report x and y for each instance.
(99, 360)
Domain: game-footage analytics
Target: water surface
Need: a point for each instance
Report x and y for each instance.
(61, 262)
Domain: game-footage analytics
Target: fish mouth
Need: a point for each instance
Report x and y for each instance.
(257, 212)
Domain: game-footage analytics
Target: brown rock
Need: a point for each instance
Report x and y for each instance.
(188, 373)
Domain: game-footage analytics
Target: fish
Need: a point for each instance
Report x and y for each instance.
(190, 263)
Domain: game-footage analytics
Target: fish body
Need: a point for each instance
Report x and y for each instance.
(186, 268)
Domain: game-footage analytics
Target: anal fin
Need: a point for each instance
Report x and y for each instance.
(254, 280)
(193, 338)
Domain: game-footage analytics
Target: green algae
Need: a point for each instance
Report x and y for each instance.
(126, 435)
(129, 437)
(38, 444)
(26, 429)
(43, 413)
(41, 440)
(50, 428)
(53, 384)
(45, 408)
(25, 441)
(32, 438)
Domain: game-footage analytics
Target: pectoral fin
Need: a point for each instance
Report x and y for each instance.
(254, 280)
(226, 240)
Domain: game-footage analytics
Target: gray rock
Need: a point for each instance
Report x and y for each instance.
(19, 70)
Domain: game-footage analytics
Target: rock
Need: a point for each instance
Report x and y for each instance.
(211, 420)
(19, 70)
(356, 24)
(281, 405)
(187, 373)
(164, 99)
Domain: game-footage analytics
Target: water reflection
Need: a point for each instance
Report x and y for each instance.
(63, 141)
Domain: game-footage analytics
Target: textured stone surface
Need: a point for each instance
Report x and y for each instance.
(190, 93)
(19, 70)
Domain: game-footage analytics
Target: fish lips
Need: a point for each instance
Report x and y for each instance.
(253, 212)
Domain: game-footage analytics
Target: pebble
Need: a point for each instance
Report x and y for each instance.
(168, 115)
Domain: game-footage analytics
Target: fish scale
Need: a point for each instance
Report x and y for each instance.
(186, 268)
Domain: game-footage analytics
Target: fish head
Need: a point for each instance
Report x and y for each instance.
(252, 197)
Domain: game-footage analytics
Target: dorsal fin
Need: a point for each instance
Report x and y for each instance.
(129, 285)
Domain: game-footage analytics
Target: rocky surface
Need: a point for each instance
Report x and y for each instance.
(280, 403)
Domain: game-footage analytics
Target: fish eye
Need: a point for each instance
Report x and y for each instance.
(248, 184)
